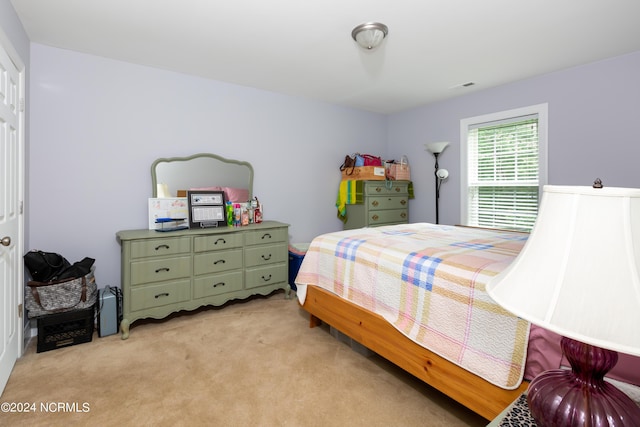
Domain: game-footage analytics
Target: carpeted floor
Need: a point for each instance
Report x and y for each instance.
(249, 363)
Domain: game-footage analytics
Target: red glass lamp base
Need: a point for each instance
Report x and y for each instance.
(580, 396)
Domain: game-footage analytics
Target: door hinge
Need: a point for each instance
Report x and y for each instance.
(20, 311)
(21, 105)
(21, 207)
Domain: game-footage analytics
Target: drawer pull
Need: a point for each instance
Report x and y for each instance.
(223, 241)
(266, 279)
(378, 189)
(215, 285)
(266, 236)
(162, 247)
(219, 261)
(403, 202)
(164, 294)
(162, 269)
(403, 215)
(375, 203)
(266, 258)
(375, 217)
(397, 189)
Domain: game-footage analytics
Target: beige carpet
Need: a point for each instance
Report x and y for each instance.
(250, 363)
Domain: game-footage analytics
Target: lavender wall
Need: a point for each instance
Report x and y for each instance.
(593, 130)
(98, 124)
(12, 27)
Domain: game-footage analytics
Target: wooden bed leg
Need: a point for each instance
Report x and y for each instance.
(314, 321)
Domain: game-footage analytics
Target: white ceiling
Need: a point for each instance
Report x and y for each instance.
(304, 48)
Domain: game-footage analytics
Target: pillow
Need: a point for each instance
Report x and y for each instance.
(236, 195)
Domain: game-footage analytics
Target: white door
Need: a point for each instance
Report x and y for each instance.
(11, 218)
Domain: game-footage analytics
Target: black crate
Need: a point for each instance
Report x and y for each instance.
(65, 329)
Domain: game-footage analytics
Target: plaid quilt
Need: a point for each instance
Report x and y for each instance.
(428, 281)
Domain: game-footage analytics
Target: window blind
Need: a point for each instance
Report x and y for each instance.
(503, 174)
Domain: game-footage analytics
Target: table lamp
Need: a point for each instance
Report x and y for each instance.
(579, 275)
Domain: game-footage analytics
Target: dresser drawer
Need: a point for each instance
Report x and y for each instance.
(217, 242)
(266, 236)
(160, 247)
(394, 216)
(372, 188)
(215, 284)
(214, 262)
(266, 275)
(265, 254)
(157, 270)
(388, 202)
(144, 297)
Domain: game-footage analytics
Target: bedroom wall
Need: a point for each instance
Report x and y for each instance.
(593, 130)
(98, 124)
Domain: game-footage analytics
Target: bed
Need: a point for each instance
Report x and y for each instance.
(414, 294)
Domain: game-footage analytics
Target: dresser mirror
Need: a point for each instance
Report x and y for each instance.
(200, 171)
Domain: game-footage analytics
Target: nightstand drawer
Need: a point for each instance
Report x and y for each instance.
(265, 254)
(214, 262)
(158, 295)
(382, 202)
(270, 235)
(215, 284)
(217, 242)
(160, 247)
(373, 188)
(267, 275)
(394, 216)
(153, 270)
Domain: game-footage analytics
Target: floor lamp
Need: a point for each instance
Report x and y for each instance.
(579, 275)
(436, 148)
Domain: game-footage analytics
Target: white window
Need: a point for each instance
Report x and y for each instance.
(504, 166)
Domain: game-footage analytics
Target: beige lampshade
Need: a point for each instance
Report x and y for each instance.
(436, 147)
(578, 274)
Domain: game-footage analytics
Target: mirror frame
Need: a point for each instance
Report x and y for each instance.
(216, 174)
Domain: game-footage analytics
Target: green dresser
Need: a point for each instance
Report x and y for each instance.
(182, 270)
(379, 203)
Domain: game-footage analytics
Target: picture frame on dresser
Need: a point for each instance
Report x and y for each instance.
(162, 273)
(206, 209)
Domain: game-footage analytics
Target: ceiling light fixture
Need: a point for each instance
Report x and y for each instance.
(369, 35)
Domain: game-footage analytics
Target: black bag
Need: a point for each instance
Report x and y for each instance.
(78, 269)
(45, 266)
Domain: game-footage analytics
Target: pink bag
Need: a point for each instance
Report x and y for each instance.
(370, 160)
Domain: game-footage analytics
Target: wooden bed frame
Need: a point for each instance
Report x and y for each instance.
(375, 333)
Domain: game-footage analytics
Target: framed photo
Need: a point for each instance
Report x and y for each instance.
(206, 209)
